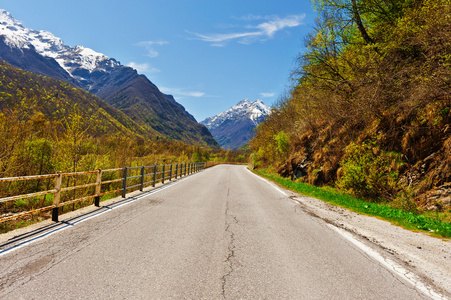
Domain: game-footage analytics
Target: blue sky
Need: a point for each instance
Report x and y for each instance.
(209, 54)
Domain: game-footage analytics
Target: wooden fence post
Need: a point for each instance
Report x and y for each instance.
(142, 179)
(154, 175)
(124, 183)
(162, 177)
(98, 188)
(57, 197)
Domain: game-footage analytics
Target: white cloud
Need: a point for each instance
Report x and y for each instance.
(150, 47)
(181, 92)
(271, 27)
(267, 95)
(260, 32)
(142, 68)
(250, 17)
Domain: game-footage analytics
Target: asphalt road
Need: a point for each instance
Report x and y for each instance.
(220, 234)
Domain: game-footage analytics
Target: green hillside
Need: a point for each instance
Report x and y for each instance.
(42, 99)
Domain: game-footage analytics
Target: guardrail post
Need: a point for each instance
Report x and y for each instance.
(170, 173)
(124, 183)
(162, 178)
(154, 175)
(57, 196)
(98, 188)
(176, 170)
(142, 179)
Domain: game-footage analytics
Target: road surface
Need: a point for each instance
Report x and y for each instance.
(223, 233)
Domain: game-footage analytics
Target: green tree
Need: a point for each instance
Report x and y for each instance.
(282, 144)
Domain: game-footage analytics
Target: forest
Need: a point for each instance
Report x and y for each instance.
(369, 108)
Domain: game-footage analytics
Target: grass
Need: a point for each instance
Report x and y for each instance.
(408, 220)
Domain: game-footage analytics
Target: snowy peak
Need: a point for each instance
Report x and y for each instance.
(234, 127)
(245, 109)
(13, 30)
(78, 61)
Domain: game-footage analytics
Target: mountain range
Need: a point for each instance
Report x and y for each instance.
(234, 127)
(118, 85)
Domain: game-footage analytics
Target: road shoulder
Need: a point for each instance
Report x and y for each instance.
(429, 257)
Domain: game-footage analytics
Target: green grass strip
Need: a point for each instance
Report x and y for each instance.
(405, 219)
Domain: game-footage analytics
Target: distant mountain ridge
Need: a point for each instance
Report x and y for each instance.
(234, 127)
(120, 86)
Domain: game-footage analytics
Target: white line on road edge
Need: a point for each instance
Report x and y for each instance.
(67, 225)
(390, 264)
(269, 182)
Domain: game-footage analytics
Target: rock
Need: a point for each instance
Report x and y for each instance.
(437, 199)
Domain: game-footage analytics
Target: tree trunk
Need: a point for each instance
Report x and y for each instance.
(359, 23)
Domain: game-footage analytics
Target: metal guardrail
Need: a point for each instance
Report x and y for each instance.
(158, 173)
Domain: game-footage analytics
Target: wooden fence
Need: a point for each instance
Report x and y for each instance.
(130, 178)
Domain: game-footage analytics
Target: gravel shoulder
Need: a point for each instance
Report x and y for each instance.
(427, 256)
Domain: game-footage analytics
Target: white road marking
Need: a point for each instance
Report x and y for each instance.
(390, 264)
(269, 182)
(65, 225)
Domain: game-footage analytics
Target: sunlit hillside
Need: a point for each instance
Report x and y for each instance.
(369, 111)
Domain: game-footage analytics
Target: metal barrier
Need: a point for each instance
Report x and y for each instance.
(158, 173)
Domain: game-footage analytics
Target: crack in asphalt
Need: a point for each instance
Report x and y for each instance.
(228, 269)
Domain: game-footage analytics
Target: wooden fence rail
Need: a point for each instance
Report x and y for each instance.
(155, 173)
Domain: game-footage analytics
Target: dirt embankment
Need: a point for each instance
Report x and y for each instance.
(415, 147)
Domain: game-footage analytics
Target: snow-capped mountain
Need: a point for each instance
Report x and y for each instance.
(234, 127)
(255, 111)
(120, 86)
(78, 61)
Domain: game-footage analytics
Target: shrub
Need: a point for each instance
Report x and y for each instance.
(282, 143)
(369, 172)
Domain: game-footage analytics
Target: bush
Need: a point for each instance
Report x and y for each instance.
(282, 143)
(368, 172)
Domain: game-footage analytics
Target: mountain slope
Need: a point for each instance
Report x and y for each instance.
(34, 96)
(43, 53)
(234, 127)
